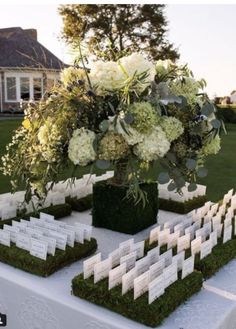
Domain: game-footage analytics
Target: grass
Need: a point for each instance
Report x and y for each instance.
(220, 179)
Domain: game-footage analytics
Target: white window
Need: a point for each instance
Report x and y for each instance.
(11, 88)
(23, 86)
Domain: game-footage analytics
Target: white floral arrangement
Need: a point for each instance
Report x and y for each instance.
(132, 112)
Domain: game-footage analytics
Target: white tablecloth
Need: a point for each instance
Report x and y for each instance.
(31, 302)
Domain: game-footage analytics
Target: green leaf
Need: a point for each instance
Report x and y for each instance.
(191, 164)
(207, 109)
(202, 172)
(180, 182)
(171, 157)
(184, 102)
(192, 187)
(163, 178)
(216, 123)
(104, 125)
(103, 164)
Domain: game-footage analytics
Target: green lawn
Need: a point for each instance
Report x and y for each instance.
(222, 168)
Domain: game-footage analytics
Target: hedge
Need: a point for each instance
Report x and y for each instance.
(22, 259)
(114, 211)
(81, 204)
(138, 310)
(58, 211)
(227, 114)
(182, 207)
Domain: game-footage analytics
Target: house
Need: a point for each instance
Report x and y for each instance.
(233, 97)
(27, 68)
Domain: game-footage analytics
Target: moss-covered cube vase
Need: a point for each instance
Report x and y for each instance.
(112, 209)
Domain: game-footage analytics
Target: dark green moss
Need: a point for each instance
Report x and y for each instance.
(81, 204)
(182, 207)
(138, 310)
(21, 259)
(58, 211)
(112, 210)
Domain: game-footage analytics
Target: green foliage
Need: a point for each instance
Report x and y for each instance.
(181, 207)
(111, 30)
(81, 204)
(21, 259)
(138, 310)
(58, 211)
(228, 114)
(112, 210)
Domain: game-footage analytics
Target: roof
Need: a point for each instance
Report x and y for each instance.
(20, 49)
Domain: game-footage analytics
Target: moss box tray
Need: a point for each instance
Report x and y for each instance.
(112, 210)
(22, 259)
(138, 310)
(182, 207)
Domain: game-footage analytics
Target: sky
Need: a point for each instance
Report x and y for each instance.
(204, 34)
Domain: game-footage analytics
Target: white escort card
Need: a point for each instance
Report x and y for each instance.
(38, 248)
(179, 258)
(153, 255)
(172, 240)
(87, 230)
(190, 230)
(45, 216)
(196, 245)
(207, 228)
(13, 231)
(197, 225)
(156, 288)
(163, 237)
(219, 228)
(115, 257)
(125, 247)
(115, 276)
(201, 233)
(34, 233)
(227, 222)
(5, 238)
(128, 280)
(154, 234)
(23, 241)
(142, 265)
(206, 249)
(227, 234)
(167, 256)
(180, 228)
(70, 236)
(170, 274)
(213, 238)
(88, 265)
(156, 269)
(129, 260)
(183, 243)
(141, 284)
(188, 266)
(139, 248)
(101, 270)
(51, 244)
(8, 212)
(61, 239)
(216, 220)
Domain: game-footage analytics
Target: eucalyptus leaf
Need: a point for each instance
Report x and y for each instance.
(103, 164)
(191, 164)
(184, 102)
(104, 125)
(216, 123)
(163, 178)
(171, 157)
(171, 187)
(180, 182)
(207, 109)
(129, 118)
(202, 172)
(192, 187)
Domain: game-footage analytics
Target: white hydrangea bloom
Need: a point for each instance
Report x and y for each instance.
(154, 146)
(81, 150)
(164, 66)
(105, 76)
(136, 63)
(43, 135)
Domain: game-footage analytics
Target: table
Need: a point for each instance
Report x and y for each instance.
(31, 302)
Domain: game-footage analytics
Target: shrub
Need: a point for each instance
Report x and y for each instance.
(182, 207)
(81, 204)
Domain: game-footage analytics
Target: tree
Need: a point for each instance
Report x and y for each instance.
(111, 30)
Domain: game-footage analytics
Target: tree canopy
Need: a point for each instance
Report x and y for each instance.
(111, 30)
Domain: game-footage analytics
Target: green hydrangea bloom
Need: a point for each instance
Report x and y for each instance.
(172, 127)
(113, 147)
(213, 147)
(145, 117)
